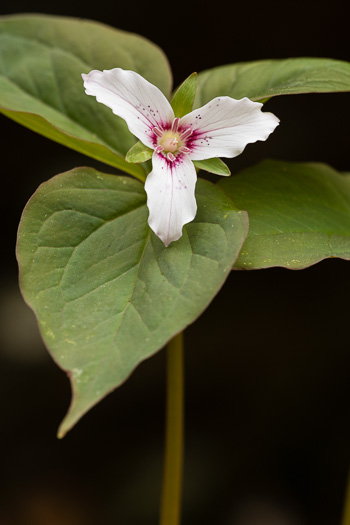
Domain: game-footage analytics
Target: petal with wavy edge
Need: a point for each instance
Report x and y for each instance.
(224, 126)
(130, 96)
(170, 196)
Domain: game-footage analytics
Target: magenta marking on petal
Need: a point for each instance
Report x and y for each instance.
(175, 125)
(194, 139)
(173, 164)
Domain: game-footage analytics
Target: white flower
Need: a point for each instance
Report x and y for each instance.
(221, 128)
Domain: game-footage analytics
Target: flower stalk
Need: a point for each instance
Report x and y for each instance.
(346, 508)
(170, 513)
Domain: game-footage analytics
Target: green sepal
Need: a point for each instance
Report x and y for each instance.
(183, 99)
(214, 165)
(139, 153)
(264, 100)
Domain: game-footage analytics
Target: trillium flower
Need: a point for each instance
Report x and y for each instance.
(221, 128)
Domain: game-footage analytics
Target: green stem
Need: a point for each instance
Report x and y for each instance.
(346, 509)
(173, 461)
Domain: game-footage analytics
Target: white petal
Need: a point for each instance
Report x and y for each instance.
(130, 96)
(224, 126)
(171, 201)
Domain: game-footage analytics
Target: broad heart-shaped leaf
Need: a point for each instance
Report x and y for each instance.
(41, 62)
(105, 290)
(267, 78)
(299, 214)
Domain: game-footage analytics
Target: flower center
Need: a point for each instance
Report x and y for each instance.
(169, 141)
(172, 142)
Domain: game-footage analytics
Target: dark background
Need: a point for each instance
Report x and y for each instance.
(267, 365)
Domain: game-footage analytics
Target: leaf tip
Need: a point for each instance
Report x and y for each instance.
(64, 428)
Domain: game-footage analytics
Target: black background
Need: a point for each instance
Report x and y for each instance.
(267, 365)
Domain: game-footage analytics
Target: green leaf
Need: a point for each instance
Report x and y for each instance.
(299, 214)
(106, 292)
(214, 165)
(267, 78)
(139, 153)
(183, 99)
(41, 62)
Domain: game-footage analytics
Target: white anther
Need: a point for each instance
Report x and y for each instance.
(171, 157)
(184, 149)
(157, 131)
(185, 134)
(175, 125)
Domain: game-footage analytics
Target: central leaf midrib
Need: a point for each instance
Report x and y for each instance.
(120, 320)
(130, 303)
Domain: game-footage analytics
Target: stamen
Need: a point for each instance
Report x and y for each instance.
(157, 131)
(175, 125)
(187, 133)
(159, 148)
(183, 149)
(171, 157)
